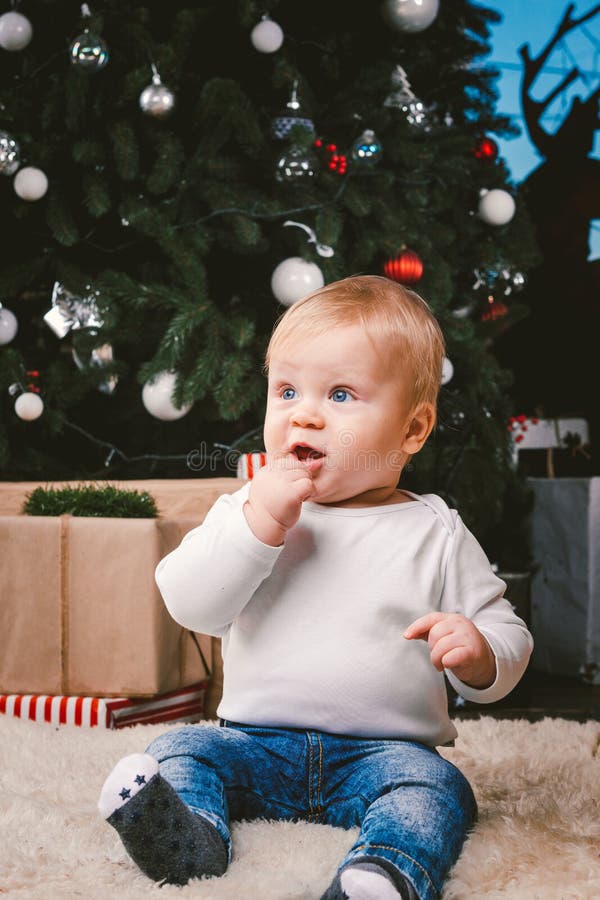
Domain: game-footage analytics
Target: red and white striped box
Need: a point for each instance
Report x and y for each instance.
(249, 463)
(183, 705)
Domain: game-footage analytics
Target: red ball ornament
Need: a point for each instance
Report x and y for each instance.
(494, 309)
(485, 148)
(405, 268)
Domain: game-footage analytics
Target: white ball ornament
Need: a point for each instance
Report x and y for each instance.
(9, 325)
(30, 183)
(15, 31)
(294, 278)
(410, 16)
(267, 36)
(496, 207)
(447, 370)
(29, 406)
(156, 397)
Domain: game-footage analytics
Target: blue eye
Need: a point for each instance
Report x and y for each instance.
(288, 394)
(340, 396)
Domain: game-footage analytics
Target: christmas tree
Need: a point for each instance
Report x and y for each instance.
(175, 175)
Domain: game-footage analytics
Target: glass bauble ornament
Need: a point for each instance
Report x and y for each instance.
(367, 147)
(267, 36)
(410, 16)
(9, 325)
(157, 398)
(294, 278)
(30, 183)
(29, 406)
(292, 115)
(10, 157)
(496, 207)
(157, 99)
(89, 52)
(296, 165)
(15, 31)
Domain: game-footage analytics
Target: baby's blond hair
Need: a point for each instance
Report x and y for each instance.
(398, 322)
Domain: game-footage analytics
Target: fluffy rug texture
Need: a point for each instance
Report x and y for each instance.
(538, 836)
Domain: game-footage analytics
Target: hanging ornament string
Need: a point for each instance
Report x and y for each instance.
(322, 249)
(195, 460)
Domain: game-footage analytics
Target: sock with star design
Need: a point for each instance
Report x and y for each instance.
(169, 842)
(370, 878)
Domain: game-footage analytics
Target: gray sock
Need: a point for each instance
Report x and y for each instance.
(165, 838)
(378, 866)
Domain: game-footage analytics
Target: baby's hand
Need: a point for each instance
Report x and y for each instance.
(456, 644)
(277, 492)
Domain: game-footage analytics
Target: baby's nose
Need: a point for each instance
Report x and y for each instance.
(306, 417)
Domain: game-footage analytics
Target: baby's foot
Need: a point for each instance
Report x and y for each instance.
(162, 835)
(367, 880)
(126, 779)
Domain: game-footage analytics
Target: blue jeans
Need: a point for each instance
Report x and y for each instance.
(413, 807)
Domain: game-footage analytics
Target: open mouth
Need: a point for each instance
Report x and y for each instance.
(304, 452)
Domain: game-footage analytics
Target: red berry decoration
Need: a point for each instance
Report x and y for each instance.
(335, 162)
(33, 384)
(485, 148)
(406, 268)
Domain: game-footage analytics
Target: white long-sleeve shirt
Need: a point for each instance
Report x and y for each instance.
(312, 630)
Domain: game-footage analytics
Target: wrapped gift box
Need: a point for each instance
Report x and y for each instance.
(565, 589)
(187, 705)
(81, 614)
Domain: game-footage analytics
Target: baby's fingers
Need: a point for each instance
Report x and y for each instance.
(303, 488)
(444, 649)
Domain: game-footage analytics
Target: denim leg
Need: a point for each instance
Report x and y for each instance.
(224, 774)
(414, 808)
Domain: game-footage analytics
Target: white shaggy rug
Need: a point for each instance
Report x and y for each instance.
(538, 837)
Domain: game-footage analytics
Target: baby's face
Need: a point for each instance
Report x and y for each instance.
(332, 397)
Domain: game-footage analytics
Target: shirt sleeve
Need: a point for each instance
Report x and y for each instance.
(472, 589)
(211, 576)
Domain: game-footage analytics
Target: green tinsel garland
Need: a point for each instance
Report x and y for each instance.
(91, 500)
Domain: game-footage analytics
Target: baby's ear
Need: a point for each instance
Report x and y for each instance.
(418, 428)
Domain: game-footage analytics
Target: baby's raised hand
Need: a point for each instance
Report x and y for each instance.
(277, 492)
(455, 643)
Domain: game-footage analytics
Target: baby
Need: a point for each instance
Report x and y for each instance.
(341, 601)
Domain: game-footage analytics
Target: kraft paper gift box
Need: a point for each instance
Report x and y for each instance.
(80, 612)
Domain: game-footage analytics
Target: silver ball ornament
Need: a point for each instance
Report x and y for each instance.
(156, 99)
(410, 16)
(10, 154)
(15, 31)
